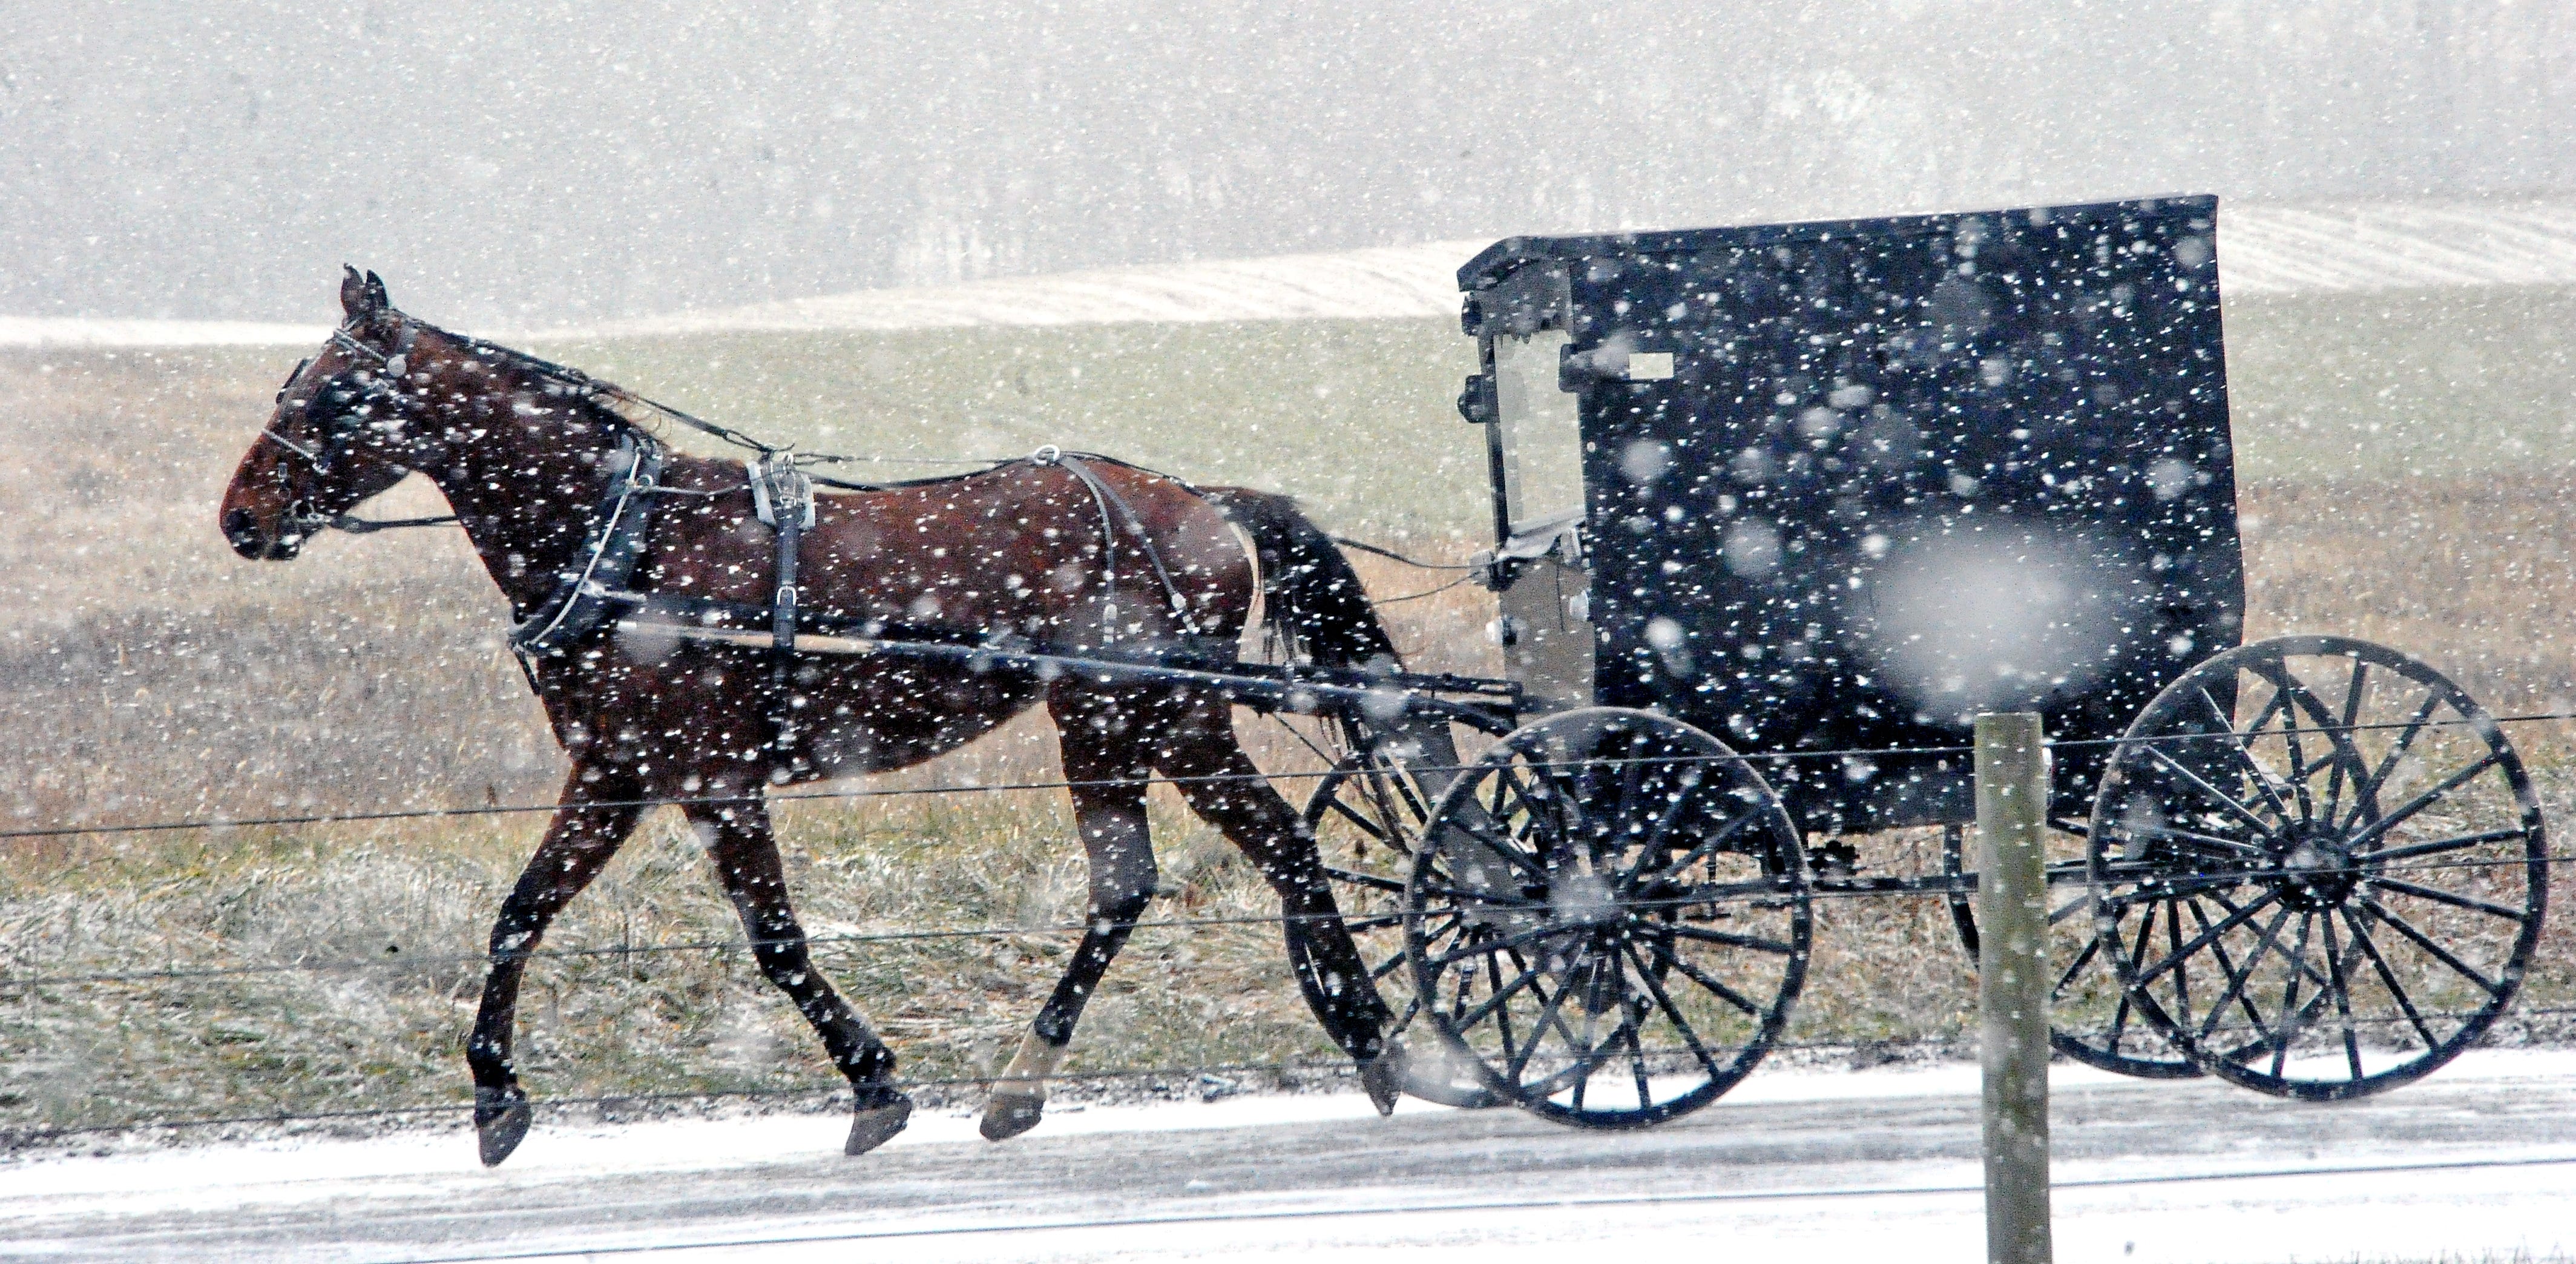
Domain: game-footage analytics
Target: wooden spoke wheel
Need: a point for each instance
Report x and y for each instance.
(2317, 867)
(2090, 1018)
(1610, 920)
(1367, 816)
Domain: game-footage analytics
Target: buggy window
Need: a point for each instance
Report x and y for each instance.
(1541, 433)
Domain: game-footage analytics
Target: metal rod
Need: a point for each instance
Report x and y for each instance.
(1259, 692)
(2012, 982)
(749, 639)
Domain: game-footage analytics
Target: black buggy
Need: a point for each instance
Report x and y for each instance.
(1779, 509)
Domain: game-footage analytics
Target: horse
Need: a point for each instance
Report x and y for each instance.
(560, 489)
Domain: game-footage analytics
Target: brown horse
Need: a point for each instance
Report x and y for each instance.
(558, 489)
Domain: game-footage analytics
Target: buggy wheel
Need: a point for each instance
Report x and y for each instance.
(2349, 859)
(2088, 1015)
(1367, 816)
(1612, 920)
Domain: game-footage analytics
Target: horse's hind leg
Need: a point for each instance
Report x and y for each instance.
(1227, 791)
(1109, 811)
(745, 856)
(589, 826)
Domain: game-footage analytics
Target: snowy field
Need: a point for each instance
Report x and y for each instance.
(1819, 1166)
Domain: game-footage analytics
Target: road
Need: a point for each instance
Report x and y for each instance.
(1825, 1165)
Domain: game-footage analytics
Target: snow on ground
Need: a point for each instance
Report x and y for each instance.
(2262, 250)
(205, 1175)
(1820, 1166)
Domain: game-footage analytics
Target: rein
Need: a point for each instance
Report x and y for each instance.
(588, 589)
(395, 364)
(355, 525)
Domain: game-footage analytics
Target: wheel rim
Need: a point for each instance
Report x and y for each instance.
(1617, 924)
(1367, 816)
(2089, 1019)
(2352, 851)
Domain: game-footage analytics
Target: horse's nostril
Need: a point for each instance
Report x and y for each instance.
(241, 530)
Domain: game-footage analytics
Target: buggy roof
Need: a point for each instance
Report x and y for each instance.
(1501, 259)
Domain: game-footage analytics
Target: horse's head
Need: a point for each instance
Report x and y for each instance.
(338, 435)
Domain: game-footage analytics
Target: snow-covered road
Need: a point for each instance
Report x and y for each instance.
(1815, 1166)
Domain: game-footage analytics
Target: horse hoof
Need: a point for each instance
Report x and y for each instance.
(1008, 1115)
(500, 1122)
(1383, 1077)
(872, 1126)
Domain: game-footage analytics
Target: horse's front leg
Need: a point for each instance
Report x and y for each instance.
(745, 856)
(592, 820)
(1109, 811)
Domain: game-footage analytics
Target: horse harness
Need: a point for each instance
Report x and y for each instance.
(596, 584)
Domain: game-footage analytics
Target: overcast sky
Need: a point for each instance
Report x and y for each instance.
(533, 161)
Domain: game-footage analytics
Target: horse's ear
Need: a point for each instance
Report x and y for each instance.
(376, 293)
(361, 297)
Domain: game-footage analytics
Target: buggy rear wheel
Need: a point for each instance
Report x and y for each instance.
(2089, 1018)
(2349, 860)
(1367, 817)
(1612, 920)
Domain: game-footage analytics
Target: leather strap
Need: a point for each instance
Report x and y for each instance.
(782, 611)
(579, 602)
(783, 497)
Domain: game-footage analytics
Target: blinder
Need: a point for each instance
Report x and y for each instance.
(292, 378)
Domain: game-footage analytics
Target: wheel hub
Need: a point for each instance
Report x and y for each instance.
(2312, 867)
(1582, 899)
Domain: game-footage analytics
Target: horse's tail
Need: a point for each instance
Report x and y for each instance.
(1311, 598)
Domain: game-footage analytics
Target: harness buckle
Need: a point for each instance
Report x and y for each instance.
(780, 492)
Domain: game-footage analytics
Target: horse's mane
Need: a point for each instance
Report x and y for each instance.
(625, 412)
(603, 398)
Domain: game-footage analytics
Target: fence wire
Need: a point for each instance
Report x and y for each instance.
(18, 1137)
(1355, 922)
(965, 788)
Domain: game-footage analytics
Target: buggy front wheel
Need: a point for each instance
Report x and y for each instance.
(1610, 920)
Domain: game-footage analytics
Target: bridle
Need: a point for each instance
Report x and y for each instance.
(341, 430)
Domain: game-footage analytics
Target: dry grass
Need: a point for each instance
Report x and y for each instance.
(408, 904)
(149, 674)
(2474, 574)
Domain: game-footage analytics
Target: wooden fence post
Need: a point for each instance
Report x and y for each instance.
(2012, 982)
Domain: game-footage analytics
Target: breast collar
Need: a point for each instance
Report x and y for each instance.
(606, 560)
